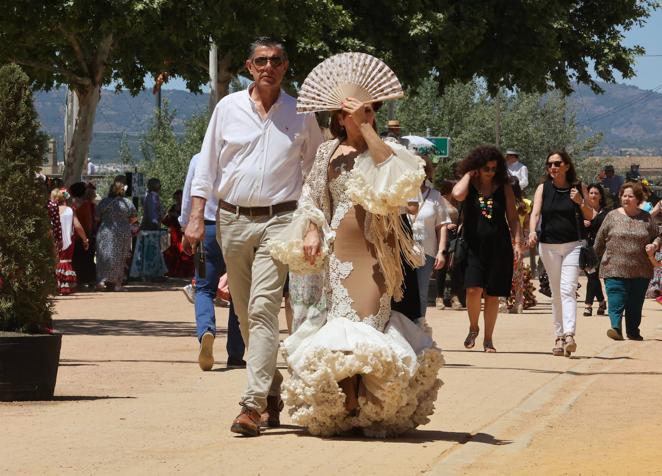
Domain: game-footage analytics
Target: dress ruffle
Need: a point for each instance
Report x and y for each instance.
(383, 188)
(287, 247)
(398, 367)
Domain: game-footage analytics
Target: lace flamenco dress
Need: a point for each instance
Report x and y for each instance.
(355, 204)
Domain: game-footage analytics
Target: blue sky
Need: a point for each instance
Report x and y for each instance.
(648, 68)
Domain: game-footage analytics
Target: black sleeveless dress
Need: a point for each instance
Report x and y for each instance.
(489, 263)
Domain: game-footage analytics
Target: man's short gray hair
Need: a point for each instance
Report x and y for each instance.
(266, 41)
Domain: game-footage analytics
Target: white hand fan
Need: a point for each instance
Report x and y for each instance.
(357, 75)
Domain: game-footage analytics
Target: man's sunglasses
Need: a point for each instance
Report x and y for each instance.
(261, 61)
(556, 163)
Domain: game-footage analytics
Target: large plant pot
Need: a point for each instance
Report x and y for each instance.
(28, 366)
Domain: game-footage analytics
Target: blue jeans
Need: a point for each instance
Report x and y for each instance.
(423, 273)
(205, 293)
(626, 296)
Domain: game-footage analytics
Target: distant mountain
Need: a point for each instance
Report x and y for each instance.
(630, 118)
(118, 114)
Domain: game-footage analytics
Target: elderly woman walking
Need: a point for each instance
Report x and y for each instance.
(559, 202)
(116, 214)
(624, 240)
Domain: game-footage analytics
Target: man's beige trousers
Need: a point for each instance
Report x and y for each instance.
(256, 285)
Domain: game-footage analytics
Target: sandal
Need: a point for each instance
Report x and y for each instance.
(588, 311)
(470, 341)
(488, 347)
(558, 349)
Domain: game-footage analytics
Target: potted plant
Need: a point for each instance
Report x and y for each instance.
(29, 350)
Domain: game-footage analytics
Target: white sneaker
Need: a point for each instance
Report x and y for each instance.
(206, 356)
(189, 291)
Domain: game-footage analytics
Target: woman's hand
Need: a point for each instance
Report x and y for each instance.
(533, 239)
(652, 248)
(518, 252)
(587, 223)
(451, 226)
(311, 245)
(439, 260)
(86, 244)
(356, 110)
(577, 197)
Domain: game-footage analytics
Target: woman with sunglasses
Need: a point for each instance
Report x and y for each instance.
(491, 227)
(558, 202)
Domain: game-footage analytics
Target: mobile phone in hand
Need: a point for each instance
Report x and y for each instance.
(199, 260)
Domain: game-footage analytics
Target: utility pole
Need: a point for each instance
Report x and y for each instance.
(497, 125)
(70, 116)
(213, 76)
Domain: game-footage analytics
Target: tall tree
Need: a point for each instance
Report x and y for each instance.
(532, 45)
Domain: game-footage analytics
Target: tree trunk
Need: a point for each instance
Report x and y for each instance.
(223, 78)
(88, 100)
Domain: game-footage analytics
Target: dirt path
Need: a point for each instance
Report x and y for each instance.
(131, 399)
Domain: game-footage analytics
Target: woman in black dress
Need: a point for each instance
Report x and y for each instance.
(491, 226)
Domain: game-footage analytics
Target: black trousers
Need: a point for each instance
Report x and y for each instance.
(410, 305)
(594, 288)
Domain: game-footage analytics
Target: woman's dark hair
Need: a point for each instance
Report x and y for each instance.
(446, 186)
(77, 189)
(338, 131)
(480, 156)
(603, 196)
(570, 175)
(517, 190)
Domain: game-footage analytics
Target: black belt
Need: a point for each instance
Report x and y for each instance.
(210, 222)
(258, 211)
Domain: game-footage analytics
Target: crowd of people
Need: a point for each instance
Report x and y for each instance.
(352, 230)
(99, 244)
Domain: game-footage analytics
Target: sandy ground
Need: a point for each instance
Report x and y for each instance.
(130, 399)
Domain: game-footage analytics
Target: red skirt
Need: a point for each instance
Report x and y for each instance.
(64, 272)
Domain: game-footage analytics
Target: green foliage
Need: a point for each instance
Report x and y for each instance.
(531, 123)
(27, 262)
(528, 45)
(166, 155)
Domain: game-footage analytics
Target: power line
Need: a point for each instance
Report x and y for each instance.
(621, 107)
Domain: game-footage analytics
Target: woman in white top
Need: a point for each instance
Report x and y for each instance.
(429, 228)
(64, 271)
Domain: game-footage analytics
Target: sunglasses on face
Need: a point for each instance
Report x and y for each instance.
(261, 61)
(556, 163)
(487, 169)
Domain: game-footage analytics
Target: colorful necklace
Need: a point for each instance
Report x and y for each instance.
(486, 206)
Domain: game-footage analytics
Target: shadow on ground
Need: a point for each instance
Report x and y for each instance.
(83, 398)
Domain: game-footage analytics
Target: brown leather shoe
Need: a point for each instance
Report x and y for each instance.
(271, 416)
(247, 423)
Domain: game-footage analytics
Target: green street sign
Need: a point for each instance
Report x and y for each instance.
(442, 144)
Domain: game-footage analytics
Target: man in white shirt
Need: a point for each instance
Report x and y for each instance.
(517, 168)
(255, 154)
(205, 288)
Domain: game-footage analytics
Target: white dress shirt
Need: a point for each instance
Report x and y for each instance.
(252, 162)
(210, 207)
(519, 170)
